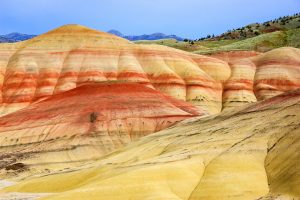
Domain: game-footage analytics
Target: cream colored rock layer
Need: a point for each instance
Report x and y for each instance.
(252, 153)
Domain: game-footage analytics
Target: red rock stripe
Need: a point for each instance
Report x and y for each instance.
(126, 75)
(241, 84)
(277, 82)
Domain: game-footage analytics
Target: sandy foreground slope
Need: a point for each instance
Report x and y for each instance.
(250, 153)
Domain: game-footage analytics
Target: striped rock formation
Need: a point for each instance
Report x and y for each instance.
(256, 76)
(88, 122)
(277, 71)
(71, 55)
(238, 89)
(236, 155)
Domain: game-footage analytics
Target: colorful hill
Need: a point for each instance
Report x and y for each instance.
(69, 56)
(66, 57)
(85, 123)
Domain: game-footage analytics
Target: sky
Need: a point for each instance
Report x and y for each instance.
(186, 18)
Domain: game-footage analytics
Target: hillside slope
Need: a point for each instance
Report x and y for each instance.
(261, 37)
(240, 154)
(261, 43)
(255, 29)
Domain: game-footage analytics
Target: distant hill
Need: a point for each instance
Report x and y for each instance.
(3, 39)
(15, 37)
(154, 36)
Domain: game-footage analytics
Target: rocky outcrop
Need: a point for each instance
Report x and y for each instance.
(240, 154)
(88, 122)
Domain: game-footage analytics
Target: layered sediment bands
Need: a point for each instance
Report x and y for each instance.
(256, 76)
(6, 51)
(277, 71)
(89, 121)
(72, 55)
(238, 89)
(239, 154)
(233, 56)
(66, 57)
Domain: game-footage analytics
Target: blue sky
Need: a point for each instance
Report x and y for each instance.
(186, 18)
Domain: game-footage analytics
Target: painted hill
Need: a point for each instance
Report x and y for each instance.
(240, 154)
(86, 123)
(69, 56)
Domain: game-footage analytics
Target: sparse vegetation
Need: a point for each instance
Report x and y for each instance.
(93, 117)
(252, 30)
(259, 37)
(16, 167)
